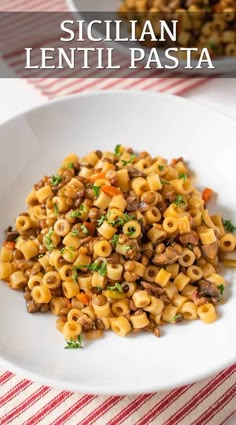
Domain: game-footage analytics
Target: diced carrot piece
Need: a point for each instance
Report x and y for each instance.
(207, 194)
(111, 190)
(9, 244)
(97, 177)
(83, 298)
(90, 227)
(175, 160)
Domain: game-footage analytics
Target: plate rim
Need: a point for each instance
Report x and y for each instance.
(111, 92)
(103, 390)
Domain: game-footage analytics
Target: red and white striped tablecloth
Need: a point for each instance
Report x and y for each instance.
(23, 402)
(210, 402)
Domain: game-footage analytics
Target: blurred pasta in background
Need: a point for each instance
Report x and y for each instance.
(201, 23)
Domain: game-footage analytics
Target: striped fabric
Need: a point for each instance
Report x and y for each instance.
(210, 402)
(22, 402)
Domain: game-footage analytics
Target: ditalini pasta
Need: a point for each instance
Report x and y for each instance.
(118, 241)
(209, 24)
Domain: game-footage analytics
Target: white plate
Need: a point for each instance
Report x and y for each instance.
(32, 145)
(222, 65)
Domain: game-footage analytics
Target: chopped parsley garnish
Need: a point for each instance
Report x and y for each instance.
(116, 287)
(96, 190)
(164, 182)
(70, 165)
(131, 231)
(183, 176)
(179, 200)
(80, 266)
(97, 266)
(114, 239)
(176, 317)
(229, 225)
(128, 217)
(99, 288)
(55, 180)
(101, 220)
(75, 232)
(117, 151)
(83, 208)
(84, 229)
(56, 210)
(127, 248)
(74, 344)
(221, 288)
(119, 221)
(68, 249)
(77, 213)
(190, 246)
(48, 241)
(72, 248)
(132, 157)
(161, 167)
(74, 274)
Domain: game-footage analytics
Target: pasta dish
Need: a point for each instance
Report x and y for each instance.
(120, 241)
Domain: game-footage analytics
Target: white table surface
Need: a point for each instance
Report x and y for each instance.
(17, 96)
